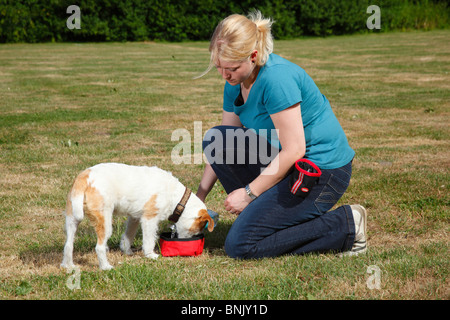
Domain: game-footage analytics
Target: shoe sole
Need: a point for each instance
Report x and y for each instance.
(353, 252)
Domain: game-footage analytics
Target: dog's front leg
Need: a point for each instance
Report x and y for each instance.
(149, 232)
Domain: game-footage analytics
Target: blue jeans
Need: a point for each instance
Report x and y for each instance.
(278, 222)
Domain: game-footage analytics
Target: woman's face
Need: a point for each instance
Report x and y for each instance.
(235, 72)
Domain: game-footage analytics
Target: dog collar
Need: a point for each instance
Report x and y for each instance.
(180, 206)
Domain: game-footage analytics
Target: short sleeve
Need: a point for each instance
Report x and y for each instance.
(282, 89)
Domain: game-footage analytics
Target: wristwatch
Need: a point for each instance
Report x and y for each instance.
(249, 192)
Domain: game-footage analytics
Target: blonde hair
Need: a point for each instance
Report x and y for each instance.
(236, 37)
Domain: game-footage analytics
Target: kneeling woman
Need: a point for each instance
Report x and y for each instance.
(271, 104)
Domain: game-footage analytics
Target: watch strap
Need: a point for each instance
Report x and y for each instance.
(249, 192)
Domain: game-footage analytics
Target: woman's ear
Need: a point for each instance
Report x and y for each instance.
(254, 55)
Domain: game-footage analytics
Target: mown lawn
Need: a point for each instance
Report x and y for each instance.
(65, 107)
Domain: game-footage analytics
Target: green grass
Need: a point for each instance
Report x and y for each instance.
(65, 107)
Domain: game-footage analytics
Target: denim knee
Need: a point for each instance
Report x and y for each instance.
(214, 132)
(231, 249)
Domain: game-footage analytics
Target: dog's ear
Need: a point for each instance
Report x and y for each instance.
(207, 218)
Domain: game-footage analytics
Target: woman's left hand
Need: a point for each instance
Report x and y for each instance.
(237, 201)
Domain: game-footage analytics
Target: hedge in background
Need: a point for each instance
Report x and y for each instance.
(137, 20)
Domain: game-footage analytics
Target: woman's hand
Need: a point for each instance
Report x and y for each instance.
(237, 201)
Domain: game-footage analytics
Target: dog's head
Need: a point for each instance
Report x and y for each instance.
(194, 218)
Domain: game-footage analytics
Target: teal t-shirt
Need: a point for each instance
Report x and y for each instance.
(279, 85)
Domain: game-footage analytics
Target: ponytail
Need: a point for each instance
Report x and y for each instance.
(264, 44)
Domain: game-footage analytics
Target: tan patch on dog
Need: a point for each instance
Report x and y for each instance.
(81, 183)
(150, 209)
(78, 188)
(200, 222)
(93, 202)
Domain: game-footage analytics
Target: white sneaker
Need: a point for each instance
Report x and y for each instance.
(360, 219)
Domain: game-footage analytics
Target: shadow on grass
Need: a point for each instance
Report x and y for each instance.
(42, 255)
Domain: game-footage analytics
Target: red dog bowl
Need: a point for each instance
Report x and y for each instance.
(172, 247)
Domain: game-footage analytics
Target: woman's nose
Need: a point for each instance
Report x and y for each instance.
(225, 74)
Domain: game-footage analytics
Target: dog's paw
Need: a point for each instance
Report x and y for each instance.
(152, 255)
(126, 250)
(106, 267)
(125, 246)
(67, 266)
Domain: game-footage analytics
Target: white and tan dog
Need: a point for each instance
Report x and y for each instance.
(146, 194)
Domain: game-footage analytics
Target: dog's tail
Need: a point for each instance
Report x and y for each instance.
(75, 198)
(74, 215)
